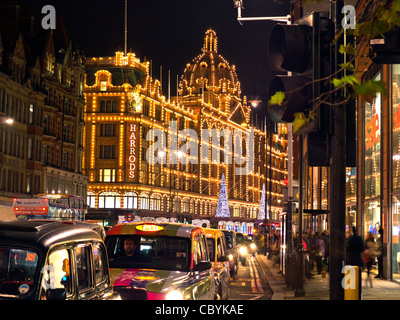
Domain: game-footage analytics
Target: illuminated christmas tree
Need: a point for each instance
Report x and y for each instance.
(222, 207)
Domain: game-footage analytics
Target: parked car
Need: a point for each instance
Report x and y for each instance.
(87, 223)
(160, 261)
(217, 249)
(53, 260)
(232, 251)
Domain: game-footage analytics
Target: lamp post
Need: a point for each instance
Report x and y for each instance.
(255, 102)
(179, 154)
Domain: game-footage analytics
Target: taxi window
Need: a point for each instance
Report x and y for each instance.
(200, 250)
(230, 241)
(58, 275)
(211, 248)
(82, 266)
(203, 246)
(17, 271)
(157, 252)
(100, 271)
(220, 248)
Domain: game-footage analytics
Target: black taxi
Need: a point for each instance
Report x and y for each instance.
(53, 260)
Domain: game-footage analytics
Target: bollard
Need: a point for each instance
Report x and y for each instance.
(351, 282)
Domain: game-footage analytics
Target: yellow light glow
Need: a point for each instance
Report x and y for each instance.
(149, 227)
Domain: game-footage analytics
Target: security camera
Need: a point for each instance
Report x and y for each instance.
(238, 3)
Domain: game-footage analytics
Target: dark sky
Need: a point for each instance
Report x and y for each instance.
(170, 33)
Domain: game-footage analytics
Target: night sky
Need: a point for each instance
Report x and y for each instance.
(170, 33)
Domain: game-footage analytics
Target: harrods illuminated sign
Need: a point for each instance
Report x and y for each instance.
(132, 150)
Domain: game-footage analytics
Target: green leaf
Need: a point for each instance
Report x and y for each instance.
(348, 48)
(277, 98)
(350, 79)
(368, 90)
(347, 66)
(300, 120)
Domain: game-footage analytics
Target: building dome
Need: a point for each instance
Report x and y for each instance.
(209, 71)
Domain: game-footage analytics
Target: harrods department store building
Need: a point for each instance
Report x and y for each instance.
(126, 116)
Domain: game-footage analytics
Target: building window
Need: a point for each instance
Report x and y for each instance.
(144, 201)
(31, 114)
(108, 130)
(372, 145)
(109, 200)
(156, 202)
(103, 86)
(130, 200)
(372, 162)
(91, 199)
(107, 175)
(396, 126)
(107, 152)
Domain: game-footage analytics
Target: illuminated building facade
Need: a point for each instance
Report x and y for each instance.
(41, 95)
(149, 156)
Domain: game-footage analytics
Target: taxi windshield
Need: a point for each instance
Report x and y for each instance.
(17, 272)
(154, 252)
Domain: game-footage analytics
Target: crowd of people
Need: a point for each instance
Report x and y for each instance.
(359, 253)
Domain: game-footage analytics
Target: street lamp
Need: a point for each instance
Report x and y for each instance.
(179, 154)
(256, 102)
(7, 120)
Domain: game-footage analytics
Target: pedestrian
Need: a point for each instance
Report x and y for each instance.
(319, 251)
(355, 247)
(379, 247)
(325, 237)
(370, 253)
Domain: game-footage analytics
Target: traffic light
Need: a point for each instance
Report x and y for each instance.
(304, 49)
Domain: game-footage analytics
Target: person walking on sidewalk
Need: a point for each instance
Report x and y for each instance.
(355, 247)
(379, 247)
(319, 251)
(370, 253)
(325, 238)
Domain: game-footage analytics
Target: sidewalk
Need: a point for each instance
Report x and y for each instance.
(317, 288)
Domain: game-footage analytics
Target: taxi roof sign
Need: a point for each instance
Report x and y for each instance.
(148, 227)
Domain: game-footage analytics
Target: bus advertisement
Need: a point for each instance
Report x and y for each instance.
(50, 206)
(23, 208)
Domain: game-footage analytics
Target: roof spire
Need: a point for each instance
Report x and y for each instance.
(210, 41)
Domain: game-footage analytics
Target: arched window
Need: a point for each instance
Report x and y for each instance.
(91, 199)
(109, 200)
(144, 201)
(114, 106)
(156, 202)
(185, 205)
(102, 106)
(130, 200)
(177, 205)
(108, 106)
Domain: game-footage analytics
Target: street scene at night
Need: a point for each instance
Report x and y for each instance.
(238, 152)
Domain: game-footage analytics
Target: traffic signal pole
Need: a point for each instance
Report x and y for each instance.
(289, 217)
(337, 176)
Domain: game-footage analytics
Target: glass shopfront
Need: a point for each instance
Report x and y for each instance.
(372, 164)
(395, 221)
(395, 237)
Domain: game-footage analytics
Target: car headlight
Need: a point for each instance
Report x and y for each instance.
(174, 295)
(230, 256)
(243, 250)
(252, 246)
